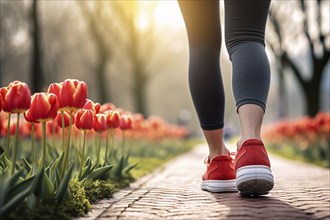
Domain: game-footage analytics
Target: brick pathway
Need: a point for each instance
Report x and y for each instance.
(301, 192)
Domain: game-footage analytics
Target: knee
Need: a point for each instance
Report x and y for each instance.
(244, 46)
(206, 41)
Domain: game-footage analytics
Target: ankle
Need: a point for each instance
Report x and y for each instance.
(245, 138)
(220, 152)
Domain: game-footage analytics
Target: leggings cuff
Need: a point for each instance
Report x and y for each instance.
(250, 101)
(212, 127)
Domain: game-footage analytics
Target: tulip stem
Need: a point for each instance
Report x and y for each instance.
(16, 144)
(106, 147)
(83, 152)
(67, 151)
(124, 142)
(33, 151)
(112, 141)
(98, 150)
(53, 135)
(63, 126)
(8, 136)
(43, 144)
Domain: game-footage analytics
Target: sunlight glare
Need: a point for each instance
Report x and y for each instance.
(168, 13)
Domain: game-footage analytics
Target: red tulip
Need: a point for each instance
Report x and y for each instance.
(52, 128)
(84, 119)
(16, 97)
(95, 107)
(125, 122)
(55, 88)
(26, 128)
(112, 119)
(73, 94)
(107, 106)
(100, 123)
(1, 104)
(44, 106)
(29, 118)
(3, 92)
(4, 128)
(66, 119)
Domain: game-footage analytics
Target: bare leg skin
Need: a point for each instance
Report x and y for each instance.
(250, 117)
(215, 142)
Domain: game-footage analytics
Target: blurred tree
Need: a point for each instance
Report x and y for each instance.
(13, 29)
(114, 27)
(292, 20)
(94, 17)
(37, 77)
(138, 47)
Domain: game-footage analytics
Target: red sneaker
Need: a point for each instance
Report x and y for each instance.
(220, 175)
(252, 166)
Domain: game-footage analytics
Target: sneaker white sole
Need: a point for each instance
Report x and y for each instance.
(219, 185)
(254, 180)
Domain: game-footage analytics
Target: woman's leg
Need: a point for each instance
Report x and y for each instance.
(245, 22)
(204, 34)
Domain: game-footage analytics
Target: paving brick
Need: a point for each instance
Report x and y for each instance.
(301, 191)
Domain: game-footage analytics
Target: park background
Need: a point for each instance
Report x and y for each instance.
(135, 55)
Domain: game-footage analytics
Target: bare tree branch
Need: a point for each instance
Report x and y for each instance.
(306, 29)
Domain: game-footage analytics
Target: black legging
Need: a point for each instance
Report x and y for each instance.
(245, 22)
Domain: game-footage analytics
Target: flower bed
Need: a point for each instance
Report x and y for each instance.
(60, 151)
(306, 139)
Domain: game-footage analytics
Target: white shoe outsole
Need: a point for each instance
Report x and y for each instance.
(254, 180)
(219, 185)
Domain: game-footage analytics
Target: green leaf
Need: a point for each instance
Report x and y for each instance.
(88, 162)
(32, 171)
(58, 164)
(97, 173)
(86, 170)
(16, 189)
(47, 170)
(27, 166)
(13, 202)
(119, 168)
(78, 155)
(2, 165)
(51, 154)
(4, 184)
(14, 178)
(5, 161)
(47, 187)
(54, 169)
(129, 168)
(64, 185)
(37, 183)
(126, 159)
(58, 178)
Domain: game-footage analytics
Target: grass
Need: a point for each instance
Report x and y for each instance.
(314, 155)
(148, 162)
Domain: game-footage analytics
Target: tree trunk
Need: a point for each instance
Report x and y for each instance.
(282, 96)
(312, 94)
(37, 78)
(101, 78)
(140, 98)
(102, 50)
